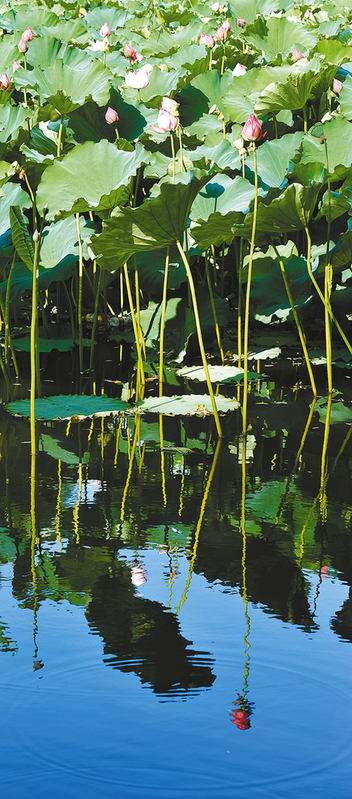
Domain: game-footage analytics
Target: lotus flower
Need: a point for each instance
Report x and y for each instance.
(239, 70)
(132, 54)
(15, 66)
(296, 55)
(166, 121)
(138, 575)
(111, 116)
(22, 46)
(336, 86)
(27, 35)
(240, 22)
(226, 25)
(216, 6)
(169, 105)
(105, 30)
(4, 82)
(252, 129)
(324, 571)
(207, 40)
(138, 79)
(241, 719)
(221, 33)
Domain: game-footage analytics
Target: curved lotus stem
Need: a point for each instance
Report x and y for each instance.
(140, 370)
(162, 324)
(299, 328)
(248, 293)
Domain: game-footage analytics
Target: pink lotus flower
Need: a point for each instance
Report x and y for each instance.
(252, 129)
(111, 116)
(138, 575)
(324, 571)
(167, 104)
(132, 54)
(336, 86)
(296, 55)
(27, 36)
(226, 25)
(22, 46)
(4, 82)
(138, 79)
(221, 33)
(241, 719)
(166, 121)
(239, 70)
(105, 30)
(207, 40)
(216, 6)
(15, 66)
(240, 22)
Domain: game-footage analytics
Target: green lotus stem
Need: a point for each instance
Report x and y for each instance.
(224, 128)
(95, 321)
(299, 328)
(299, 452)
(73, 332)
(58, 152)
(305, 125)
(248, 294)
(239, 316)
(139, 95)
(328, 281)
(217, 330)
(7, 311)
(210, 58)
(80, 288)
(162, 324)
(140, 369)
(223, 61)
(181, 148)
(200, 337)
(324, 465)
(173, 156)
(326, 303)
(33, 339)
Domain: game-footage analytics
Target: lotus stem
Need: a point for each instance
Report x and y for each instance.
(128, 478)
(200, 337)
(217, 330)
(95, 320)
(173, 156)
(223, 61)
(7, 311)
(328, 280)
(303, 439)
(323, 468)
(60, 137)
(80, 288)
(181, 148)
(162, 460)
(299, 328)
(140, 370)
(162, 323)
(239, 317)
(248, 294)
(210, 58)
(33, 339)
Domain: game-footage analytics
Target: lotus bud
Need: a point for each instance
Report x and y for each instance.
(216, 6)
(221, 34)
(128, 51)
(27, 35)
(138, 79)
(22, 46)
(45, 210)
(207, 40)
(166, 122)
(15, 66)
(111, 116)
(105, 30)
(4, 82)
(239, 70)
(296, 55)
(240, 22)
(252, 129)
(226, 25)
(35, 236)
(336, 85)
(169, 105)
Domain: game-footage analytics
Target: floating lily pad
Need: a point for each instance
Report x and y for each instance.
(65, 407)
(218, 374)
(189, 405)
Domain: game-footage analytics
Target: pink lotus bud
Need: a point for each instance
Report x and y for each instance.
(111, 116)
(207, 40)
(22, 46)
(239, 70)
(45, 209)
(221, 33)
(169, 105)
(336, 85)
(105, 30)
(166, 122)
(252, 129)
(138, 56)
(226, 25)
(4, 82)
(128, 51)
(138, 79)
(296, 55)
(15, 66)
(35, 236)
(27, 36)
(240, 22)
(216, 6)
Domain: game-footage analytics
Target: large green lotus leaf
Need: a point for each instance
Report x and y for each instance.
(216, 230)
(223, 155)
(292, 94)
(7, 171)
(323, 80)
(207, 124)
(89, 124)
(151, 268)
(8, 54)
(157, 223)
(60, 242)
(212, 85)
(223, 195)
(115, 17)
(339, 145)
(92, 175)
(273, 158)
(161, 84)
(194, 104)
(65, 406)
(11, 194)
(292, 210)
(12, 120)
(218, 374)
(283, 36)
(269, 296)
(66, 87)
(339, 413)
(45, 344)
(346, 97)
(43, 51)
(21, 238)
(250, 9)
(74, 33)
(55, 449)
(309, 174)
(28, 16)
(335, 52)
(22, 278)
(188, 405)
(238, 97)
(187, 56)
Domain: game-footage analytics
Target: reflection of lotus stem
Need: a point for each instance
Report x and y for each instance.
(200, 337)
(325, 302)
(162, 460)
(128, 478)
(248, 293)
(328, 278)
(138, 306)
(58, 502)
(210, 289)
(34, 324)
(299, 328)
(304, 436)
(323, 466)
(95, 320)
(80, 287)
(117, 441)
(140, 370)
(76, 508)
(244, 553)
(162, 324)
(33, 522)
(173, 156)
(182, 485)
(199, 523)
(58, 152)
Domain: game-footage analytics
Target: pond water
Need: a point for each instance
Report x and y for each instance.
(163, 635)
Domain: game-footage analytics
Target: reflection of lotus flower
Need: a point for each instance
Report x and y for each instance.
(241, 719)
(240, 22)
(27, 36)
(296, 55)
(324, 571)
(4, 82)
(22, 46)
(239, 70)
(105, 30)
(336, 85)
(15, 66)
(111, 116)
(138, 575)
(208, 40)
(138, 79)
(252, 129)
